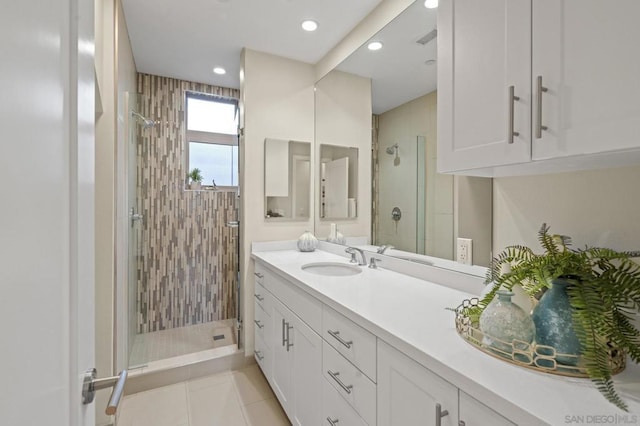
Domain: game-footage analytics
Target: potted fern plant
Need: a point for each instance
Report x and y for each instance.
(602, 296)
(195, 175)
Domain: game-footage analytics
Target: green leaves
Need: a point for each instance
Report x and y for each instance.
(604, 300)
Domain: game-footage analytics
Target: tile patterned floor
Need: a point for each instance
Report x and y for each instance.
(232, 398)
(174, 342)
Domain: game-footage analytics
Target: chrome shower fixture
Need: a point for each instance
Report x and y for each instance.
(147, 123)
(393, 149)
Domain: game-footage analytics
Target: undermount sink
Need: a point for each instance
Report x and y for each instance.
(332, 269)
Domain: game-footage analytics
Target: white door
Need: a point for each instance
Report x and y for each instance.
(585, 53)
(336, 188)
(484, 48)
(409, 394)
(47, 215)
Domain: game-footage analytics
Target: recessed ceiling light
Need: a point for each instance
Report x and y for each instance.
(430, 4)
(219, 70)
(374, 45)
(309, 25)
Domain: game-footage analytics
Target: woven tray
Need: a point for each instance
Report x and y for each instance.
(529, 355)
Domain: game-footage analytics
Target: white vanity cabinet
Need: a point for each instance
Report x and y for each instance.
(474, 413)
(530, 80)
(409, 394)
(293, 359)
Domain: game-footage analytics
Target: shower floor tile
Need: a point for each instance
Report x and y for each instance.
(174, 342)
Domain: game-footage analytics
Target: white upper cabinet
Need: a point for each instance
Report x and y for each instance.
(573, 66)
(484, 49)
(585, 52)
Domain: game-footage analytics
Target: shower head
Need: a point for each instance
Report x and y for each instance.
(393, 149)
(147, 123)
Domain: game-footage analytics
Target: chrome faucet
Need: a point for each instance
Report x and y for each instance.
(384, 248)
(353, 251)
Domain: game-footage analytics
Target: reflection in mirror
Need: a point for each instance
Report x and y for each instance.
(432, 209)
(287, 174)
(338, 182)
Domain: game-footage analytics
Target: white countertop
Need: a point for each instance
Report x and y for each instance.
(409, 313)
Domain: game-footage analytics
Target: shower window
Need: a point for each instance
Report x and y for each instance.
(212, 139)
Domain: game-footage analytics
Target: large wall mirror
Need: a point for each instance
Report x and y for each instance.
(414, 208)
(287, 179)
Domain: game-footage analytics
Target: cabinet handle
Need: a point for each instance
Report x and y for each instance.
(258, 355)
(260, 298)
(334, 376)
(461, 423)
(512, 99)
(332, 422)
(283, 338)
(539, 90)
(289, 344)
(258, 274)
(336, 335)
(258, 323)
(440, 414)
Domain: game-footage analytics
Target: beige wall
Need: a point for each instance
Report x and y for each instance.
(343, 118)
(597, 208)
(277, 102)
(115, 74)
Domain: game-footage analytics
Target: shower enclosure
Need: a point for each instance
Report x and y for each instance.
(182, 254)
(414, 204)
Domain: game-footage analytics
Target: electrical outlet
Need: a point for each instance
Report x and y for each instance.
(464, 251)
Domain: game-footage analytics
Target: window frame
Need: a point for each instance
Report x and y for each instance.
(214, 138)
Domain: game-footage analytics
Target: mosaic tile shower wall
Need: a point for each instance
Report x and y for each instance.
(188, 258)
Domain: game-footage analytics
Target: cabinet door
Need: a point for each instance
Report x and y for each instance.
(473, 413)
(408, 393)
(586, 53)
(484, 48)
(281, 372)
(306, 374)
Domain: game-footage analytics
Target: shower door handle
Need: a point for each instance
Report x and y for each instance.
(91, 384)
(233, 224)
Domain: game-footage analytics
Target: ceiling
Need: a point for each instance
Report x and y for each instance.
(186, 39)
(398, 70)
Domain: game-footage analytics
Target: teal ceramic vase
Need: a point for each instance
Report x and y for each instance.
(502, 321)
(554, 323)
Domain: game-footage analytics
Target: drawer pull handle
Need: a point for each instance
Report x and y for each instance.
(440, 414)
(258, 323)
(260, 298)
(334, 376)
(258, 355)
(259, 275)
(332, 422)
(336, 335)
(284, 340)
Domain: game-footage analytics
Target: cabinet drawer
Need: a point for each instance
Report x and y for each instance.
(351, 383)
(308, 308)
(263, 298)
(335, 410)
(262, 324)
(262, 354)
(352, 341)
